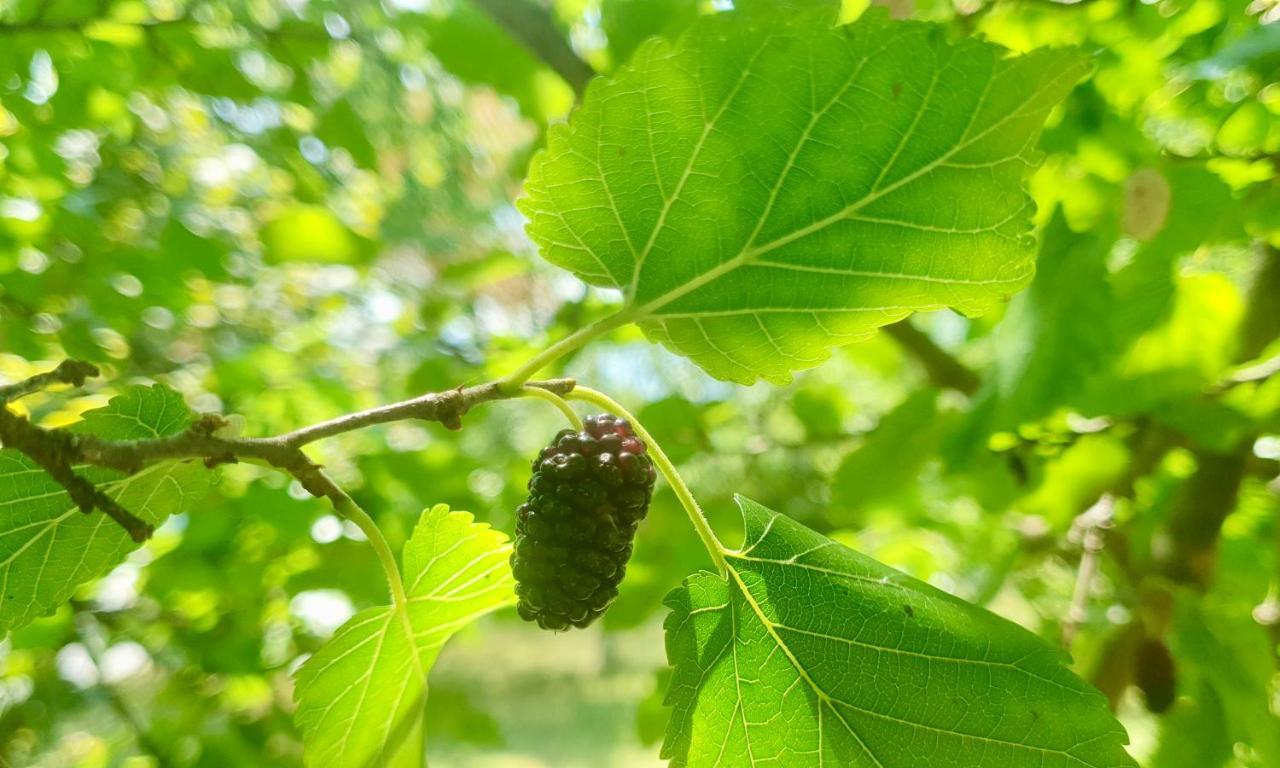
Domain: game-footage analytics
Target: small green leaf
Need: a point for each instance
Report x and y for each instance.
(48, 547)
(809, 654)
(476, 50)
(890, 459)
(628, 23)
(308, 233)
(765, 189)
(1049, 344)
(361, 697)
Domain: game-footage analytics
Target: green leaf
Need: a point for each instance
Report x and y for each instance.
(888, 462)
(48, 547)
(1048, 344)
(361, 697)
(1194, 734)
(808, 654)
(475, 49)
(763, 190)
(308, 233)
(628, 23)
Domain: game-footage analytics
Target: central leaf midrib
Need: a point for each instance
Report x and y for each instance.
(403, 610)
(823, 697)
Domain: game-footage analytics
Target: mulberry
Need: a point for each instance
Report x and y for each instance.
(589, 491)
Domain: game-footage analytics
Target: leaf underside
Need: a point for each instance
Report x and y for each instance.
(763, 190)
(48, 547)
(810, 654)
(361, 696)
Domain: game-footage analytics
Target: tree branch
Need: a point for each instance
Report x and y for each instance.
(73, 372)
(1209, 496)
(533, 27)
(1261, 323)
(201, 439)
(56, 451)
(1202, 506)
(943, 370)
(1089, 529)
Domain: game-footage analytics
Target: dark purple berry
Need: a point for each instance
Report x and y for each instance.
(588, 492)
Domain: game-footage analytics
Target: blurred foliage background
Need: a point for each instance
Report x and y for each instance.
(291, 209)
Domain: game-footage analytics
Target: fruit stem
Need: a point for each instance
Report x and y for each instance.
(554, 399)
(511, 384)
(348, 508)
(668, 470)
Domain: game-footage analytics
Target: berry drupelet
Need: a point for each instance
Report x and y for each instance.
(589, 491)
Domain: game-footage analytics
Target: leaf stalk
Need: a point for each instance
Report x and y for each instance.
(668, 470)
(559, 402)
(511, 384)
(348, 508)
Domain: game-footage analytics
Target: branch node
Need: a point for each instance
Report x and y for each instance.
(55, 452)
(75, 372)
(207, 424)
(449, 408)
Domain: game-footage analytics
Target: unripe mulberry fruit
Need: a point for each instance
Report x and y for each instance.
(589, 491)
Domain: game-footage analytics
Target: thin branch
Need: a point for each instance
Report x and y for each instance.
(57, 451)
(564, 346)
(943, 370)
(668, 470)
(1090, 529)
(534, 28)
(73, 372)
(201, 440)
(314, 479)
(557, 402)
(1253, 373)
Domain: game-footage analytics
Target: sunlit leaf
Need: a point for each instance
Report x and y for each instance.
(361, 697)
(808, 654)
(48, 547)
(763, 190)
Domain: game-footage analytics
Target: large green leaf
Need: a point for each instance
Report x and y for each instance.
(48, 547)
(361, 697)
(809, 654)
(762, 190)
